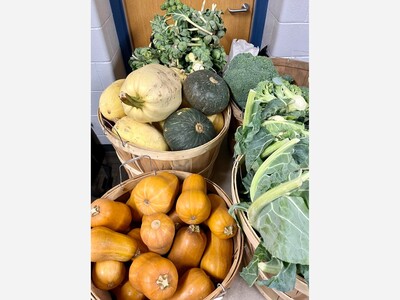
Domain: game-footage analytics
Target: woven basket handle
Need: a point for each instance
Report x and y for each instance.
(134, 159)
(116, 131)
(222, 294)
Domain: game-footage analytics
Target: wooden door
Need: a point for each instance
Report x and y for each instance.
(139, 13)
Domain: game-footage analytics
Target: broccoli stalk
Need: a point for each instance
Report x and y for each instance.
(262, 93)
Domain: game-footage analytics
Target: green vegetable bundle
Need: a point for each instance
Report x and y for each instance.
(274, 140)
(184, 38)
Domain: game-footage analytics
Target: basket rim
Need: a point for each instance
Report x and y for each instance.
(238, 240)
(293, 63)
(116, 141)
(251, 236)
(206, 171)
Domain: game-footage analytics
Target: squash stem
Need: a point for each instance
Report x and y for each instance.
(194, 228)
(130, 100)
(162, 281)
(228, 230)
(199, 128)
(95, 210)
(155, 224)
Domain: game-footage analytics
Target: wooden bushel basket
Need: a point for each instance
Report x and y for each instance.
(295, 68)
(300, 291)
(196, 160)
(121, 193)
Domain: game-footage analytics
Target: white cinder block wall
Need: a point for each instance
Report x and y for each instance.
(285, 33)
(286, 29)
(106, 59)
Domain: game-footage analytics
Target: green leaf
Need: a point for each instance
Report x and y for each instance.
(250, 272)
(284, 227)
(284, 281)
(303, 270)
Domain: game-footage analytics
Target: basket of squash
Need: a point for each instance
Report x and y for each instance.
(163, 235)
(178, 120)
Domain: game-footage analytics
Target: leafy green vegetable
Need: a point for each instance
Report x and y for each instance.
(282, 222)
(279, 166)
(250, 272)
(283, 275)
(280, 216)
(184, 38)
(274, 193)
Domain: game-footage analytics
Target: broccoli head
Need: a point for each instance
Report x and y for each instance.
(244, 72)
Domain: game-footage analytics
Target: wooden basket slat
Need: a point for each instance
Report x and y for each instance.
(296, 68)
(196, 160)
(123, 189)
(144, 164)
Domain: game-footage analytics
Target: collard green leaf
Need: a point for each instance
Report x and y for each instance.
(284, 226)
(284, 281)
(279, 165)
(273, 266)
(250, 272)
(254, 149)
(281, 275)
(285, 129)
(301, 153)
(303, 271)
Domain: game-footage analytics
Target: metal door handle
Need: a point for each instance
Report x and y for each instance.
(245, 7)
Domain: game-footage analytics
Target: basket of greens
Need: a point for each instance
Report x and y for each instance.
(184, 38)
(270, 184)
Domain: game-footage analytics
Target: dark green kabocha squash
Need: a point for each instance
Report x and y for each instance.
(206, 91)
(187, 128)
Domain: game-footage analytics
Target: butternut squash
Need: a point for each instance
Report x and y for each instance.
(107, 244)
(125, 291)
(193, 284)
(108, 274)
(216, 200)
(194, 182)
(154, 194)
(173, 181)
(187, 248)
(154, 276)
(193, 206)
(135, 269)
(217, 257)
(109, 213)
(175, 218)
(136, 213)
(157, 232)
(140, 134)
(135, 233)
(220, 222)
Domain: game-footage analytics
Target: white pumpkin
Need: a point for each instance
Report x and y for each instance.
(151, 93)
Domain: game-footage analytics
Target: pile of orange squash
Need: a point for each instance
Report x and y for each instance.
(172, 239)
